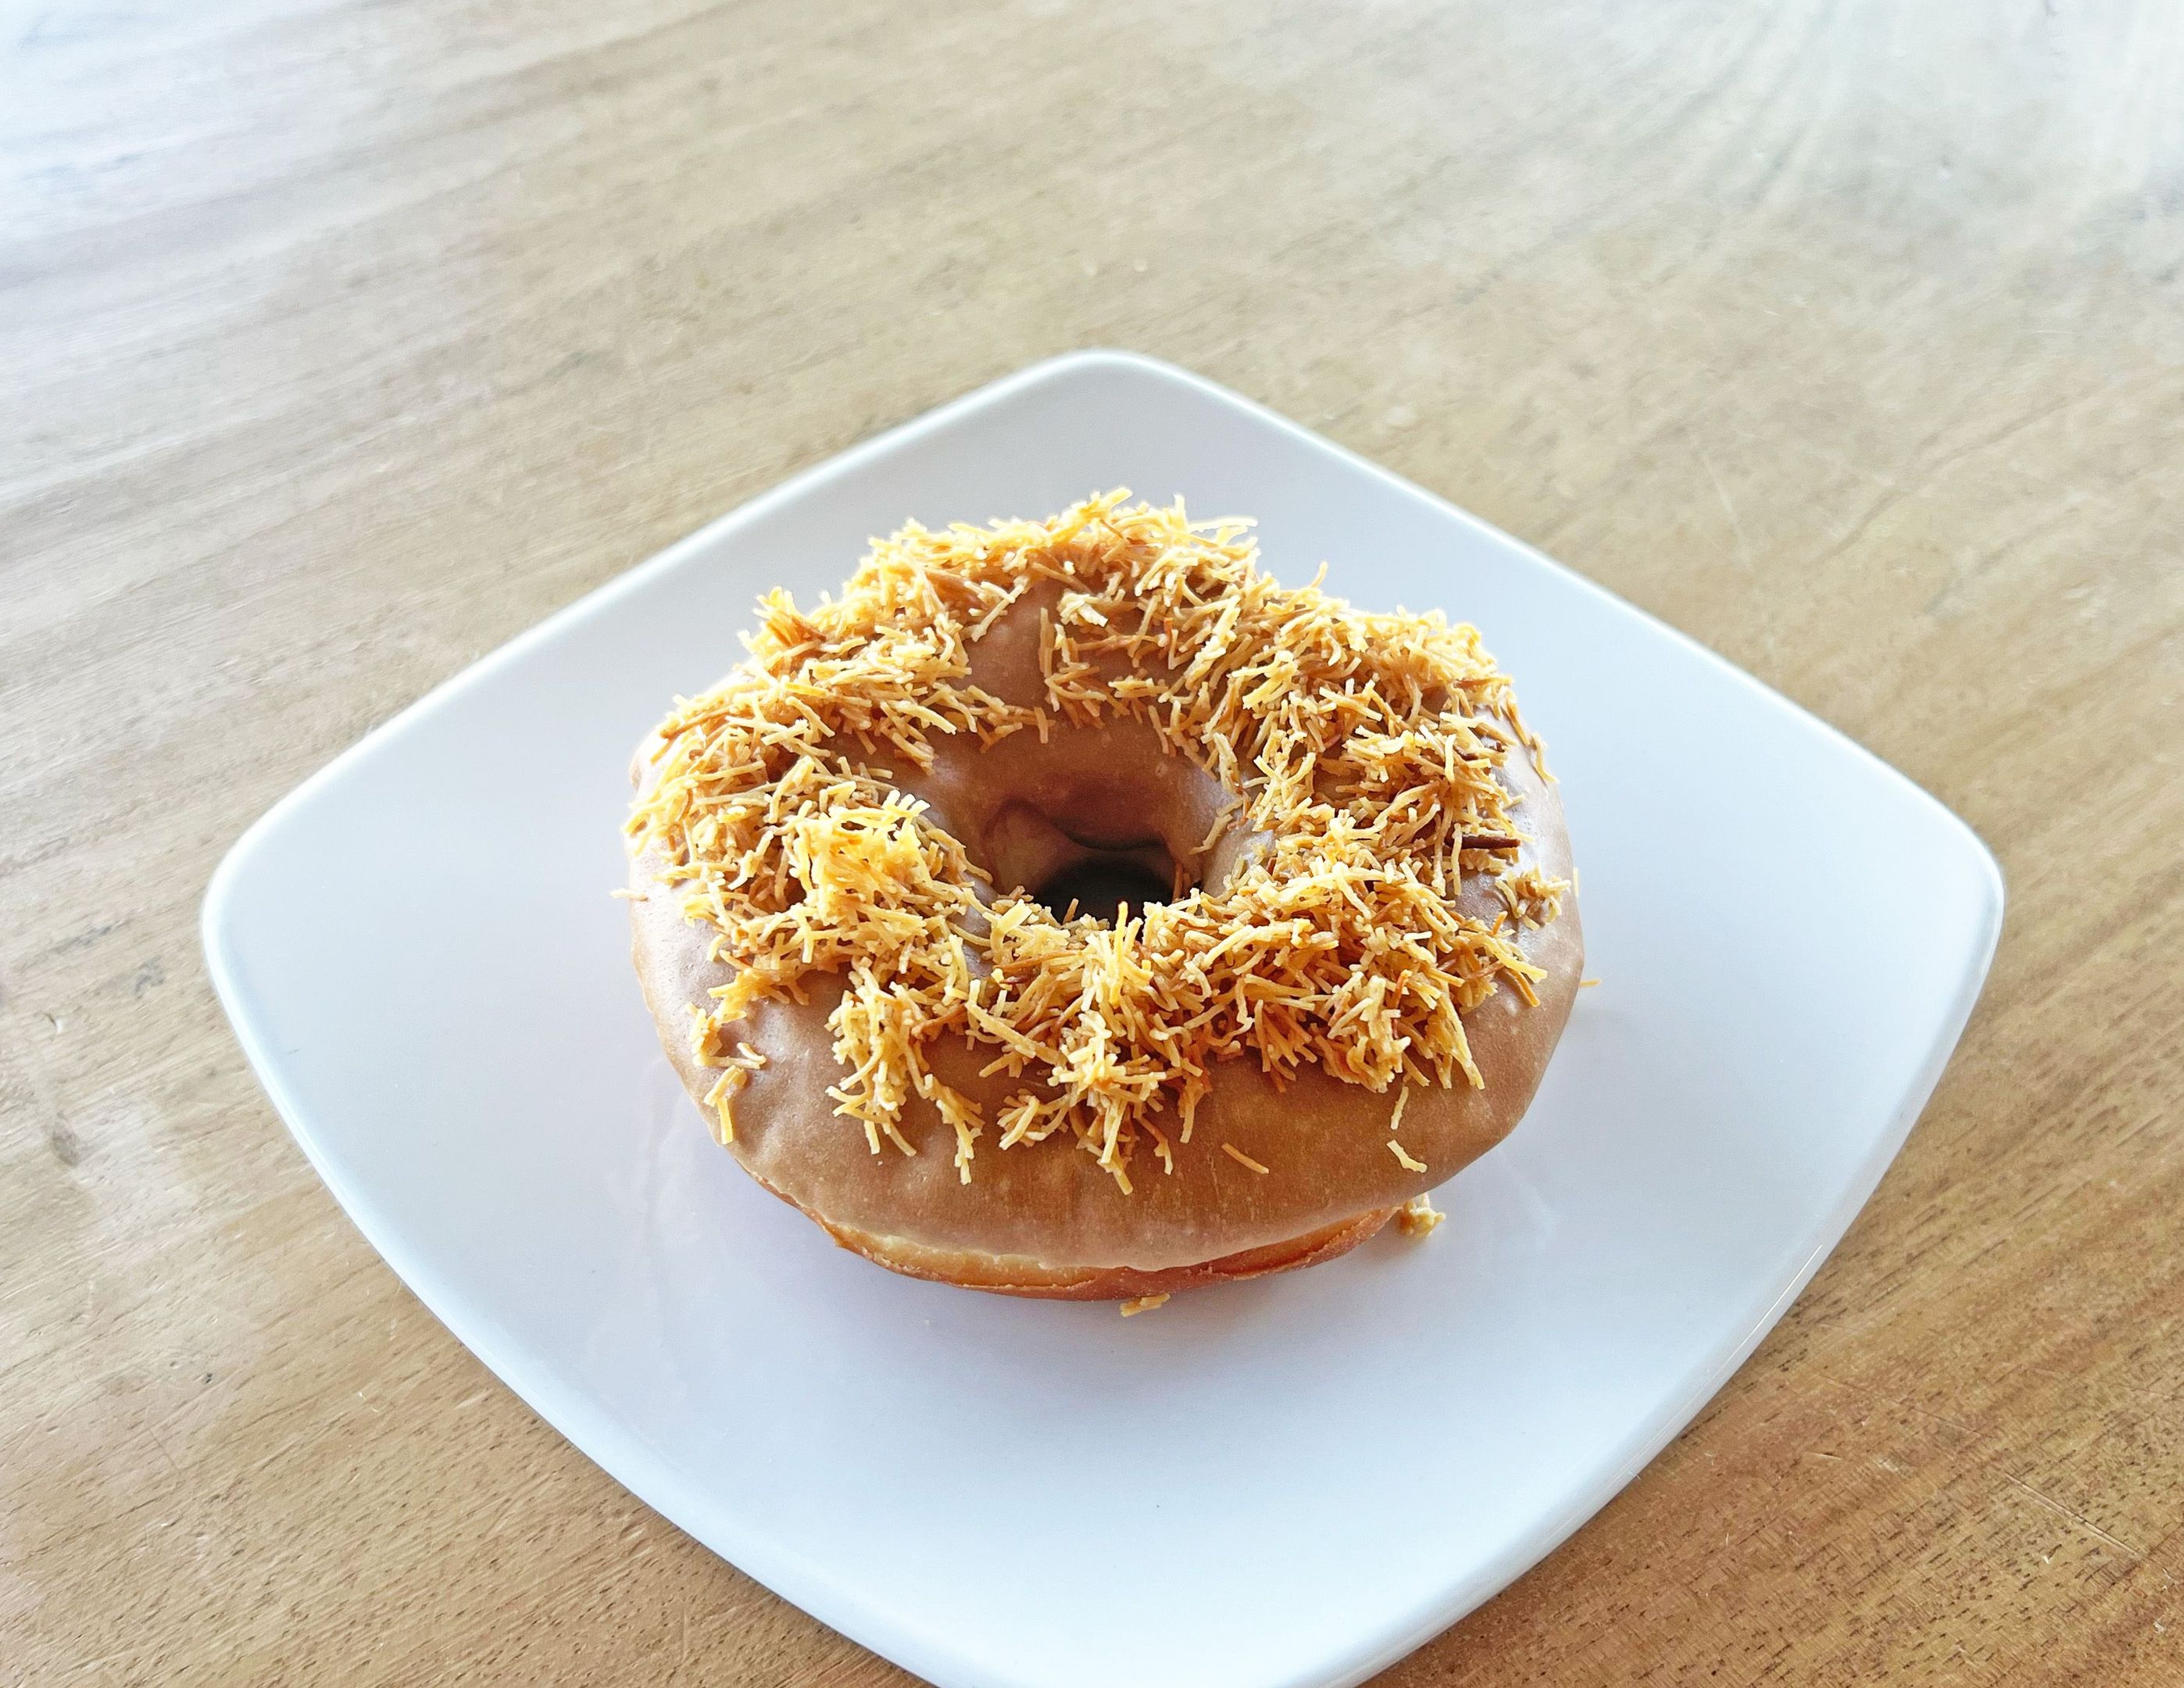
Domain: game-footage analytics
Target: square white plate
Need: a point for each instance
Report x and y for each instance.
(1280, 1484)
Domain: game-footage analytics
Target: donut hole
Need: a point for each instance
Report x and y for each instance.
(1102, 884)
(1083, 857)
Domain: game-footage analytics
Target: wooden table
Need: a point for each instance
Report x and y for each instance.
(339, 341)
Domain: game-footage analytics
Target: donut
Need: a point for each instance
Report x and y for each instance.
(1069, 909)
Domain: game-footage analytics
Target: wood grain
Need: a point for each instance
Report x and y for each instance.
(339, 341)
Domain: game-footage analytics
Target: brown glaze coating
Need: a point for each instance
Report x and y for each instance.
(1044, 1219)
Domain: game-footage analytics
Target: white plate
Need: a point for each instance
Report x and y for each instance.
(1291, 1482)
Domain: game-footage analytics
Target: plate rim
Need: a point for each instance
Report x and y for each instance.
(623, 1455)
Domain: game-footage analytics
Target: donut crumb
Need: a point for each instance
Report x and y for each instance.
(1144, 1304)
(1418, 1216)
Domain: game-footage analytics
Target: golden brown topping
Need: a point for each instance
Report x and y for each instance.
(1363, 746)
(736, 1074)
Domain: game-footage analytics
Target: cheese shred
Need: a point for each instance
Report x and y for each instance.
(1362, 748)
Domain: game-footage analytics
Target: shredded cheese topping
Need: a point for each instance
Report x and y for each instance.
(736, 1074)
(1363, 746)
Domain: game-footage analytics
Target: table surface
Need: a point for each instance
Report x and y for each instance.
(340, 341)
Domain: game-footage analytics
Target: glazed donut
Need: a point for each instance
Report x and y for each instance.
(1070, 910)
